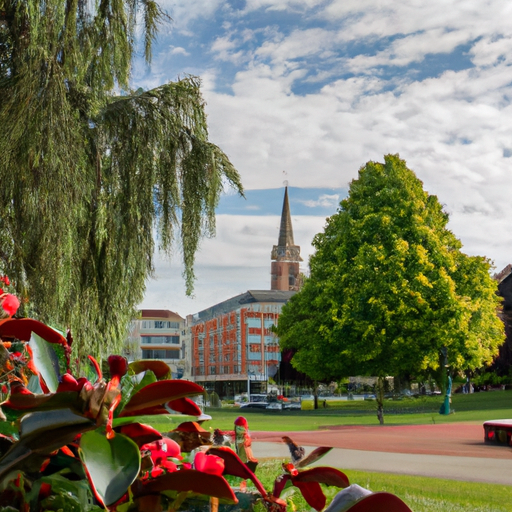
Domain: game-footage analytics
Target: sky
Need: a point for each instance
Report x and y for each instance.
(305, 92)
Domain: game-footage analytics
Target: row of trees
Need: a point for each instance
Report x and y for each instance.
(90, 170)
(390, 289)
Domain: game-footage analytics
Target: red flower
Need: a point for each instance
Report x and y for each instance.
(210, 464)
(10, 304)
(118, 366)
(18, 357)
(5, 279)
(241, 422)
(161, 449)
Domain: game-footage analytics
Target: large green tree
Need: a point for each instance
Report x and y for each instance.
(90, 170)
(389, 287)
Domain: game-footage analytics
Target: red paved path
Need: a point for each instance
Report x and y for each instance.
(455, 439)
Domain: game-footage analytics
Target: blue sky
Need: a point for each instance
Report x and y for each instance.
(308, 91)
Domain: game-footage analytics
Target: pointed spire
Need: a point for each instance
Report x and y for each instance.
(286, 230)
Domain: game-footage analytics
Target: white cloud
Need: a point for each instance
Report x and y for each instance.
(281, 5)
(178, 50)
(325, 200)
(184, 12)
(453, 129)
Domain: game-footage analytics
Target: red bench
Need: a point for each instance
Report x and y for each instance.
(498, 431)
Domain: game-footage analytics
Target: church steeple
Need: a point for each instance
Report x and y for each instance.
(286, 230)
(285, 255)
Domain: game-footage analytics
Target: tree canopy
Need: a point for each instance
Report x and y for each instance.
(389, 287)
(90, 170)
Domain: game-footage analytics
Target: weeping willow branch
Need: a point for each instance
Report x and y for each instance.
(87, 176)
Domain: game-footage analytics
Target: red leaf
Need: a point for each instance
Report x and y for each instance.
(323, 475)
(188, 480)
(139, 433)
(210, 464)
(161, 392)
(159, 368)
(316, 454)
(312, 493)
(22, 329)
(185, 406)
(234, 466)
(279, 484)
(22, 399)
(190, 426)
(380, 502)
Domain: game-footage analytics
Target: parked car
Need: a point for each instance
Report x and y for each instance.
(254, 405)
(293, 405)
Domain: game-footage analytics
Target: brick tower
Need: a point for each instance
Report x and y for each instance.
(285, 255)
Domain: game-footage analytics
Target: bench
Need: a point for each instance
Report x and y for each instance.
(498, 431)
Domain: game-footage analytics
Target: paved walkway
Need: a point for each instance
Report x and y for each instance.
(451, 451)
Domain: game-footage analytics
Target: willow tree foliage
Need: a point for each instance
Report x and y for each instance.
(390, 287)
(90, 169)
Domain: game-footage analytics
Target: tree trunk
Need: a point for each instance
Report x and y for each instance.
(380, 400)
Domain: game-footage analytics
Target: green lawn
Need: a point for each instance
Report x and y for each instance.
(420, 493)
(476, 407)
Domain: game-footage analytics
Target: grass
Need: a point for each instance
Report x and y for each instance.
(420, 493)
(475, 407)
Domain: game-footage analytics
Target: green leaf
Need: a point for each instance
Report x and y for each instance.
(112, 465)
(41, 433)
(130, 386)
(46, 361)
(68, 495)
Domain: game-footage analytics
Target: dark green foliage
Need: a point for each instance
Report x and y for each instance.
(90, 171)
(389, 287)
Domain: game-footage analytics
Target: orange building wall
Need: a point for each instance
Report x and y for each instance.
(230, 340)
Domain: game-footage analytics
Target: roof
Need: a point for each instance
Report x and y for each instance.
(159, 313)
(249, 297)
(501, 276)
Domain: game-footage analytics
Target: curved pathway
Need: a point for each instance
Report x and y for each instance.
(451, 451)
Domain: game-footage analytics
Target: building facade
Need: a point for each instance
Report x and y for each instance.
(158, 334)
(233, 348)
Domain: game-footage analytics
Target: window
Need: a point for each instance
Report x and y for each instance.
(226, 357)
(160, 354)
(254, 338)
(255, 348)
(162, 324)
(226, 370)
(160, 340)
(253, 322)
(211, 370)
